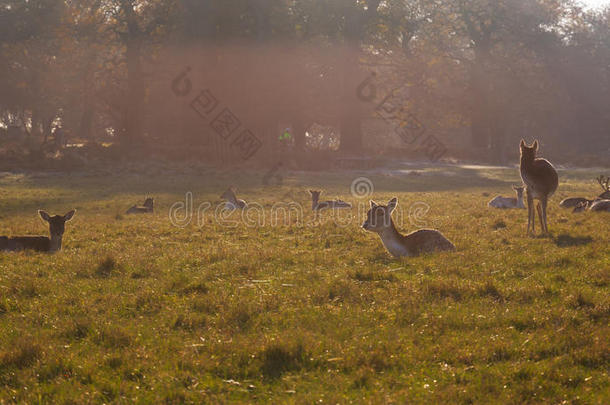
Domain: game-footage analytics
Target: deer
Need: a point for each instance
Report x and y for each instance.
(580, 204)
(317, 205)
(147, 207)
(600, 206)
(574, 202)
(233, 202)
(597, 205)
(541, 182)
(509, 202)
(379, 220)
(40, 243)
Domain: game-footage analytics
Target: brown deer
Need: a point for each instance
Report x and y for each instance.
(379, 220)
(147, 207)
(40, 243)
(597, 205)
(541, 181)
(600, 206)
(581, 204)
(233, 202)
(509, 202)
(574, 202)
(317, 205)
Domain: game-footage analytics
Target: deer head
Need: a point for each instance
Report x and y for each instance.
(229, 195)
(528, 153)
(57, 227)
(604, 183)
(315, 195)
(379, 217)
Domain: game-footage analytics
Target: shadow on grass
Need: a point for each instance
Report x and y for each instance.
(565, 240)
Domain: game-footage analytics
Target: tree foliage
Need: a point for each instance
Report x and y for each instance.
(480, 73)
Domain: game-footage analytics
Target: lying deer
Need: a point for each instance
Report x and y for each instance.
(598, 205)
(379, 220)
(317, 205)
(582, 203)
(574, 202)
(541, 182)
(39, 243)
(232, 202)
(147, 207)
(509, 202)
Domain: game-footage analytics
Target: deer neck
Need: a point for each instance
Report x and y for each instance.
(55, 242)
(393, 240)
(526, 163)
(232, 198)
(519, 201)
(314, 202)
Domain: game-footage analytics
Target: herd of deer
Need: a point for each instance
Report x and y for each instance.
(540, 181)
(578, 204)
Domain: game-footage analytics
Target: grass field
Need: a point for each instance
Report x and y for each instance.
(135, 309)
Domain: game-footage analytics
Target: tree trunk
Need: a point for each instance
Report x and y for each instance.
(86, 122)
(351, 131)
(299, 129)
(350, 122)
(356, 23)
(135, 82)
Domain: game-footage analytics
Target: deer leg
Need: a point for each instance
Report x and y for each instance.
(540, 216)
(544, 204)
(533, 216)
(530, 210)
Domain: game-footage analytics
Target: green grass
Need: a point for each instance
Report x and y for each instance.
(137, 310)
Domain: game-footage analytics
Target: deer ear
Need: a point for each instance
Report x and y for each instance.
(392, 204)
(44, 215)
(522, 144)
(535, 145)
(69, 215)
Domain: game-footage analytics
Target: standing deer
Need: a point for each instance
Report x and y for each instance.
(317, 205)
(379, 220)
(541, 181)
(147, 207)
(40, 243)
(233, 202)
(509, 202)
